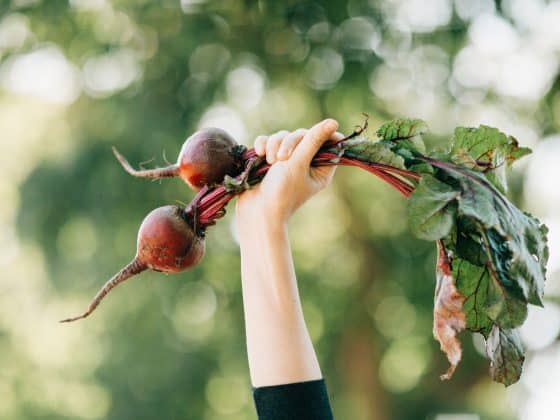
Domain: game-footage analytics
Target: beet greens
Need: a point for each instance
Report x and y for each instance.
(491, 255)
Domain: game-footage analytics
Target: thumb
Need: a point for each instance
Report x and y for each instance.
(313, 140)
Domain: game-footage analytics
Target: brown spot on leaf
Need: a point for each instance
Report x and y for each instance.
(449, 318)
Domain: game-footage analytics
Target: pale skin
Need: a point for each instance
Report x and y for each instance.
(279, 347)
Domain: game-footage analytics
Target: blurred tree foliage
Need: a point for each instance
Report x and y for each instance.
(145, 75)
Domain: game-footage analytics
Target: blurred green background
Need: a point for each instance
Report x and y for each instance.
(79, 76)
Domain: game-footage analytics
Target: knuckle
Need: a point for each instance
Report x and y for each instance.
(284, 151)
(272, 144)
(275, 143)
(281, 134)
(317, 140)
(260, 144)
(288, 140)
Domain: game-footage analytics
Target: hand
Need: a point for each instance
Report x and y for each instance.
(290, 181)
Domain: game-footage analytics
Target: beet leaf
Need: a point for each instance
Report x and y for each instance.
(491, 255)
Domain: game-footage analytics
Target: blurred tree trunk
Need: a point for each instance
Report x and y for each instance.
(358, 354)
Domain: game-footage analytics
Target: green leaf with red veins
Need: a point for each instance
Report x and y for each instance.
(398, 141)
(472, 282)
(497, 255)
(506, 355)
(515, 242)
(431, 209)
(487, 302)
(407, 133)
(368, 150)
(488, 150)
(467, 243)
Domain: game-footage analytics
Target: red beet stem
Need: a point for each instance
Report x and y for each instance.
(249, 153)
(215, 211)
(210, 203)
(392, 180)
(328, 156)
(211, 197)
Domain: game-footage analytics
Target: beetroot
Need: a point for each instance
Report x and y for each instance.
(166, 242)
(205, 159)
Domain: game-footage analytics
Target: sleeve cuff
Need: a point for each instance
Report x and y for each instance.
(301, 400)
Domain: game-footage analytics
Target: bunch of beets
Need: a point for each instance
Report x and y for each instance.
(491, 256)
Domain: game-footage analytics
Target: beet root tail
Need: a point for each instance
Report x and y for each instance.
(170, 171)
(130, 270)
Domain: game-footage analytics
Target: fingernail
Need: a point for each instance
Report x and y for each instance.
(330, 124)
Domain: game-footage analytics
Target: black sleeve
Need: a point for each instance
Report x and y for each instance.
(301, 400)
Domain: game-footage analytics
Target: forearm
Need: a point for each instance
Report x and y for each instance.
(279, 348)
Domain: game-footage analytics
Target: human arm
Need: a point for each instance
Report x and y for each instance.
(279, 348)
(285, 373)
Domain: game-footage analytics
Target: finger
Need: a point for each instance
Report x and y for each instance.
(272, 145)
(327, 172)
(289, 143)
(313, 140)
(337, 136)
(260, 145)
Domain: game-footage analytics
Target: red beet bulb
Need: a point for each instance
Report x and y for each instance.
(205, 159)
(166, 242)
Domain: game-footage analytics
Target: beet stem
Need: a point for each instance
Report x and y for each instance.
(403, 187)
(170, 171)
(359, 129)
(211, 196)
(209, 204)
(208, 214)
(194, 207)
(130, 270)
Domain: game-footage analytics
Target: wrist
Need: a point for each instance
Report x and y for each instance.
(256, 219)
(259, 228)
